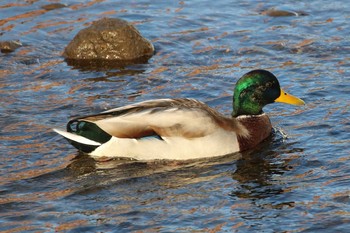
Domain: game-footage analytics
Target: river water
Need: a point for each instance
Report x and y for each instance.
(296, 181)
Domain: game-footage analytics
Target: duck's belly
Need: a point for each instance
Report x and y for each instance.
(170, 148)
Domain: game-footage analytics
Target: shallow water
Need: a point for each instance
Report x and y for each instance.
(297, 181)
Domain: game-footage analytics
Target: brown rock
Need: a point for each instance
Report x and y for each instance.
(282, 13)
(53, 6)
(9, 46)
(109, 40)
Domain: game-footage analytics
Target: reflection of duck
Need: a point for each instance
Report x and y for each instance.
(260, 173)
(180, 129)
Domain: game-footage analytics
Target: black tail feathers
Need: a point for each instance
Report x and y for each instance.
(87, 130)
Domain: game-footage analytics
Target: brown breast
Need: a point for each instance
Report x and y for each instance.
(259, 128)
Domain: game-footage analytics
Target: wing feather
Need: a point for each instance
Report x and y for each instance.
(164, 117)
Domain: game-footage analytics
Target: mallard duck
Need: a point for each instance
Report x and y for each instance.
(181, 129)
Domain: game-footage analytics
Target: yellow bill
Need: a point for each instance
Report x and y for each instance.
(289, 99)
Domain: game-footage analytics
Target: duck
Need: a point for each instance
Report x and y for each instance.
(181, 128)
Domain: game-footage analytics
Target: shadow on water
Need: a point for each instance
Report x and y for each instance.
(123, 169)
(85, 176)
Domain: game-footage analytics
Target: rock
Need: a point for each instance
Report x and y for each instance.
(9, 46)
(282, 13)
(108, 40)
(53, 6)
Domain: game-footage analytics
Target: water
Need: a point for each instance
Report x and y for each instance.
(297, 181)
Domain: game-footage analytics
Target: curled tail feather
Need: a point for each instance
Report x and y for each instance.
(88, 130)
(80, 142)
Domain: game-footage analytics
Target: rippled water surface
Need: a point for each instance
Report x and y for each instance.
(297, 181)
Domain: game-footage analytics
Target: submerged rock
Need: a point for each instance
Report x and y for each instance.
(282, 13)
(9, 46)
(107, 41)
(53, 6)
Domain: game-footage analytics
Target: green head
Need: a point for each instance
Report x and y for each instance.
(256, 89)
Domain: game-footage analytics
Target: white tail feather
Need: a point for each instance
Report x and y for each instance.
(77, 138)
